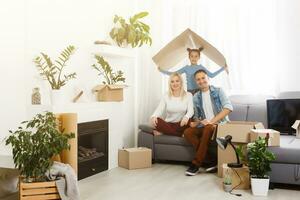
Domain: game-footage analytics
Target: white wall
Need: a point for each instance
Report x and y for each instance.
(289, 44)
(48, 26)
(12, 98)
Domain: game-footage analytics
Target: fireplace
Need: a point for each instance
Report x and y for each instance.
(92, 148)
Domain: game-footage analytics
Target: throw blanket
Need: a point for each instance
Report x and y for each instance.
(66, 180)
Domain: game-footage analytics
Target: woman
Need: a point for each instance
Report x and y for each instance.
(178, 106)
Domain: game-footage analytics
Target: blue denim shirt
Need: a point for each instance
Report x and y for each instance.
(219, 101)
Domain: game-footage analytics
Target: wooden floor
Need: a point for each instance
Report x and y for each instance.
(162, 182)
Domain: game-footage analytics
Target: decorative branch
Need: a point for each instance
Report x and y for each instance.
(105, 70)
(52, 72)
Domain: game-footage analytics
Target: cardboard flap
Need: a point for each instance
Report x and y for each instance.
(296, 125)
(136, 149)
(112, 87)
(175, 51)
(116, 87)
(259, 125)
(263, 132)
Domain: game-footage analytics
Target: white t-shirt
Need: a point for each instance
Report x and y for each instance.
(175, 108)
(207, 105)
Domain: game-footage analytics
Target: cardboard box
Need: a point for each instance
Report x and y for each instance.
(274, 139)
(296, 126)
(135, 158)
(175, 51)
(228, 156)
(239, 130)
(109, 92)
(235, 173)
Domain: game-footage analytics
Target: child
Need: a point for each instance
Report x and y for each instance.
(189, 70)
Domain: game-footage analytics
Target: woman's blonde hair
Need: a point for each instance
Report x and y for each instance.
(182, 91)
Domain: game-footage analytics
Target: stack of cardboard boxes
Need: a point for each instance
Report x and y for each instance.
(242, 133)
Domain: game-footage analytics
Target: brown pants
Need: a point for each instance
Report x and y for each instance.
(199, 138)
(169, 128)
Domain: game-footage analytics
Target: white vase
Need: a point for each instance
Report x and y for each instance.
(260, 186)
(57, 97)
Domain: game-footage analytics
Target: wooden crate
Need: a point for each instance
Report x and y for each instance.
(38, 191)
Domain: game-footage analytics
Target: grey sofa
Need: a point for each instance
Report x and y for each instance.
(286, 167)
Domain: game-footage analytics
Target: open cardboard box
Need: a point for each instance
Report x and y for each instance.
(274, 136)
(240, 132)
(109, 92)
(175, 51)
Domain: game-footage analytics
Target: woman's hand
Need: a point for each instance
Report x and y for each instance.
(154, 121)
(184, 121)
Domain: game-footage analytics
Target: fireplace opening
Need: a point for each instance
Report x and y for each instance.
(92, 148)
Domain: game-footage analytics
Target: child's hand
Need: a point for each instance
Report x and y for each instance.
(226, 68)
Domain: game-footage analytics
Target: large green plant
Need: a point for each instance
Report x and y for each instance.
(134, 32)
(259, 158)
(53, 71)
(35, 142)
(105, 70)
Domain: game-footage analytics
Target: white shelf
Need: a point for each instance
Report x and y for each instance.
(114, 51)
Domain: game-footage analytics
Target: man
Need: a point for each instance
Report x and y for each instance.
(211, 106)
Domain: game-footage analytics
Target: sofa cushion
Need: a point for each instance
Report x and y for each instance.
(172, 140)
(289, 150)
(146, 128)
(258, 113)
(239, 112)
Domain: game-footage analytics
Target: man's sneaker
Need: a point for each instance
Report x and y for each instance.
(192, 170)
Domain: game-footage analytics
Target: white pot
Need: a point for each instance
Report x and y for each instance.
(260, 186)
(57, 97)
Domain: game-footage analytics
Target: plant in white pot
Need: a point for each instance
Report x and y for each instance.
(259, 159)
(53, 72)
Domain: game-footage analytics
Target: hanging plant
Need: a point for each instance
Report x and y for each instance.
(105, 71)
(134, 32)
(53, 71)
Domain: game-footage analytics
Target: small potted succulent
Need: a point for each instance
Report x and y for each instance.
(227, 182)
(132, 32)
(109, 90)
(259, 159)
(53, 72)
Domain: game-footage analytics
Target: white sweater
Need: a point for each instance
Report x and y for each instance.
(175, 108)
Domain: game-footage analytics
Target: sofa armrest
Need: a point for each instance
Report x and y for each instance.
(146, 128)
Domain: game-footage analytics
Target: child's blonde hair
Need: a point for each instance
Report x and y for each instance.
(182, 91)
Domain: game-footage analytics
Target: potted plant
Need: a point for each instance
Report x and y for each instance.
(35, 143)
(259, 159)
(134, 32)
(53, 72)
(227, 182)
(109, 90)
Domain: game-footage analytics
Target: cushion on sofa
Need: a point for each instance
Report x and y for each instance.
(146, 128)
(174, 140)
(289, 150)
(239, 112)
(258, 112)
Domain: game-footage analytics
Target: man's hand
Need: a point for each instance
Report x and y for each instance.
(184, 121)
(206, 122)
(154, 121)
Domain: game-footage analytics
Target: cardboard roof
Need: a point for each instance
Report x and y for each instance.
(175, 51)
(296, 125)
(112, 87)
